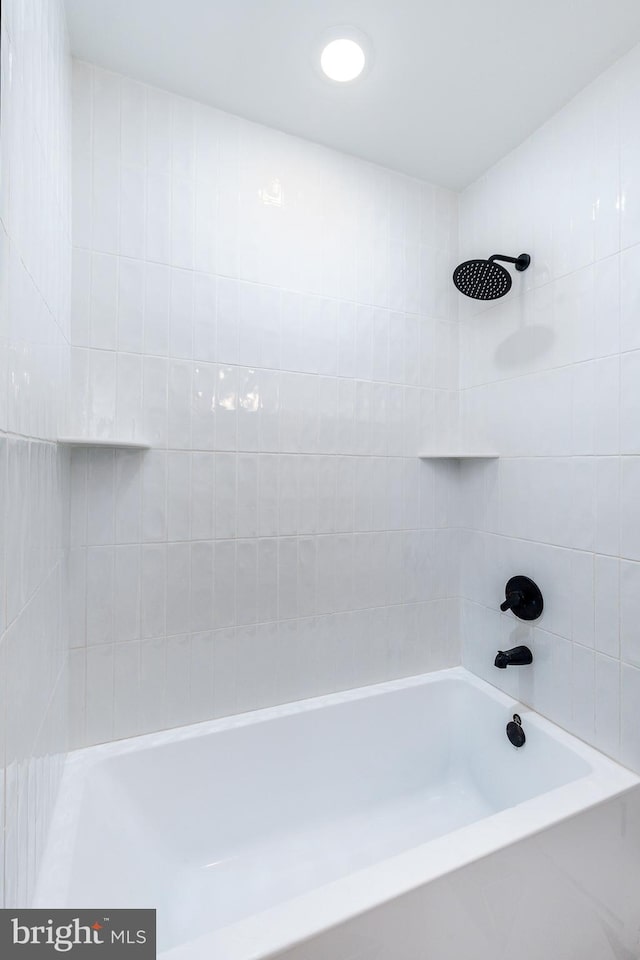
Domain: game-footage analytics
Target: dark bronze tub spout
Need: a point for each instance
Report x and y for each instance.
(516, 657)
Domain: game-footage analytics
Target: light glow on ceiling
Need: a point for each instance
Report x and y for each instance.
(342, 60)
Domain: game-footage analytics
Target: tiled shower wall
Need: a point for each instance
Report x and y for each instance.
(276, 320)
(550, 378)
(35, 254)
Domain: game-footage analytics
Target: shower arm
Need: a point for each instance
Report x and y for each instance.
(500, 256)
(521, 262)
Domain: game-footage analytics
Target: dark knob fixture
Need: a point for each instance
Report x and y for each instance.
(515, 731)
(523, 597)
(516, 657)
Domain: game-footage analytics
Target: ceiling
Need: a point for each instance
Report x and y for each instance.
(452, 86)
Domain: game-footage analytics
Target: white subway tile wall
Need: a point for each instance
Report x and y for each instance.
(277, 321)
(35, 271)
(550, 377)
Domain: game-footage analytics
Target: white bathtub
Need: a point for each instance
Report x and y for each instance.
(264, 833)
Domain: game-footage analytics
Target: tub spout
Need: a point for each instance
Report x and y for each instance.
(516, 657)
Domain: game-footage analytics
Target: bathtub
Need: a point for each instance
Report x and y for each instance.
(334, 828)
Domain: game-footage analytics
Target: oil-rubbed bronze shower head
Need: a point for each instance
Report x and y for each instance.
(486, 279)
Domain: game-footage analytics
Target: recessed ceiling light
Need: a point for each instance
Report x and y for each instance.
(342, 60)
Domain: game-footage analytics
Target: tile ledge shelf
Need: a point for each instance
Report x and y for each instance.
(459, 455)
(101, 442)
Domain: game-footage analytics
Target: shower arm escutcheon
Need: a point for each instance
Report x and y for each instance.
(521, 262)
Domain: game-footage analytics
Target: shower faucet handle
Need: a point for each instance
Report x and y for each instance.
(514, 599)
(523, 597)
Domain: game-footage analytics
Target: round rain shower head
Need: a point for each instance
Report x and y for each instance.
(486, 279)
(482, 279)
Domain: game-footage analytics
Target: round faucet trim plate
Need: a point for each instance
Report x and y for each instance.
(523, 598)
